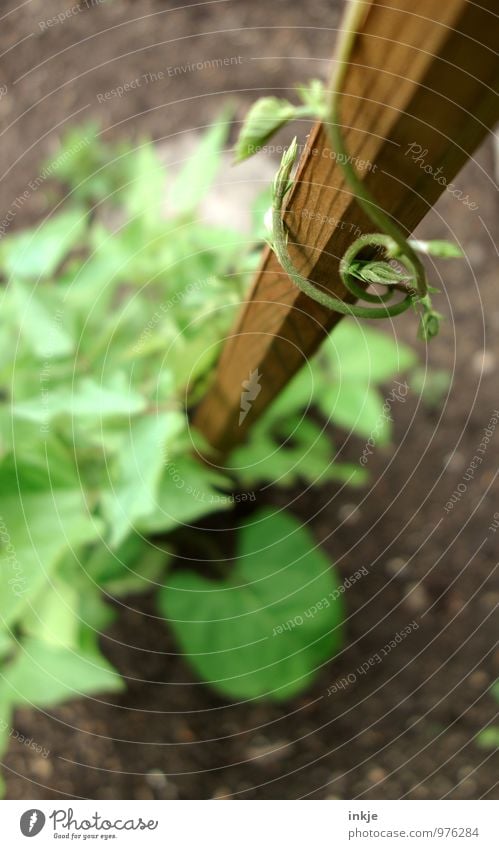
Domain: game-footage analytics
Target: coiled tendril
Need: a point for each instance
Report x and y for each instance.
(411, 281)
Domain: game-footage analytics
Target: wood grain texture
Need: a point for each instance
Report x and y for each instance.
(422, 73)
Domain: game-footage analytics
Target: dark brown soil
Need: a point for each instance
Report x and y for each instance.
(407, 728)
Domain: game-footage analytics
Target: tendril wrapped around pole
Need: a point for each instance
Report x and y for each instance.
(411, 282)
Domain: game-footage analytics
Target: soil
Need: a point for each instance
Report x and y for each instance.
(407, 727)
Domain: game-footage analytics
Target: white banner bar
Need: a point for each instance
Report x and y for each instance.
(250, 824)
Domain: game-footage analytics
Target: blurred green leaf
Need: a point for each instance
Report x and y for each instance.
(186, 492)
(42, 331)
(314, 95)
(145, 195)
(37, 528)
(87, 399)
(135, 566)
(141, 463)
(301, 452)
(43, 675)
(38, 252)
(357, 352)
(431, 385)
(54, 616)
(489, 738)
(195, 178)
(231, 631)
(357, 408)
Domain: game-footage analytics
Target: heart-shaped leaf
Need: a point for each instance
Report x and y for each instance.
(267, 629)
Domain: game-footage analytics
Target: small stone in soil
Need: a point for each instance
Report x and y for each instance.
(263, 751)
(349, 514)
(42, 768)
(222, 793)
(417, 599)
(376, 774)
(454, 461)
(396, 566)
(479, 679)
(161, 785)
(483, 362)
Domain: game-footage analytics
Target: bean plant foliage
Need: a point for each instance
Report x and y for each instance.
(113, 314)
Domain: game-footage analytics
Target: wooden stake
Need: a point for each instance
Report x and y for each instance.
(420, 96)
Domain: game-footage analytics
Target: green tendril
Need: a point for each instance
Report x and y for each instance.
(411, 282)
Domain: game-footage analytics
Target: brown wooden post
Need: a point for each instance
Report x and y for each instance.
(422, 74)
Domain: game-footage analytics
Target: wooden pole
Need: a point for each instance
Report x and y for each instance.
(420, 95)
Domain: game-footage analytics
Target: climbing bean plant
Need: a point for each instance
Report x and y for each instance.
(113, 313)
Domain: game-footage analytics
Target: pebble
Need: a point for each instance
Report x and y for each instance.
(184, 734)
(483, 362)
(144, 793)
(42, 768)
(479, 679)
(420, 792)
(161, 785)
(416, 599)
(264, 751)
(454, 461)
(376, 774)
(456, 603)
(468, 788)
(396, 566)
(107, 792)
(222, 793)
(441, 787)
(489, 599)
(465, 771)
(349, 514)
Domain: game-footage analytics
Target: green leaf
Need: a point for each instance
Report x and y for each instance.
(237, 633)
(134, 567)
(314, 96)
(197, 175)
(299, 451)
(187, 491)
(87, 399)
(91, 168)
(53, 618)
(141, 464)
(357, 408)
(377, 272)
(43, 675)
(43, 331)
(495, 690)
(265, 117)
(38, 463)
(145, 194)
(357, 352)
(37, 529)
(7, 642)
(489, 738)
(93, 615)
(437, 247)
(431, 385)
(38, 252)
